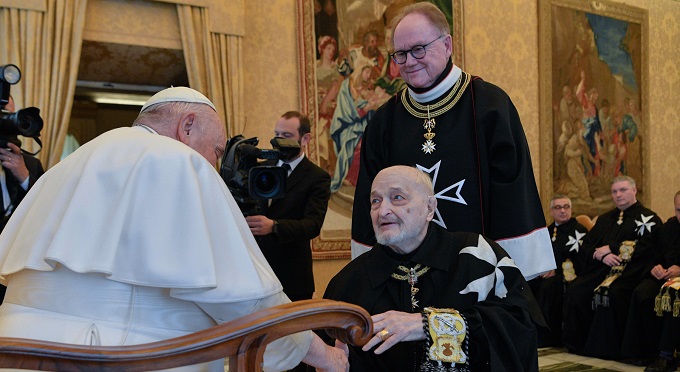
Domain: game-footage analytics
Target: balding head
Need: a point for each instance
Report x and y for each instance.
(402, 205)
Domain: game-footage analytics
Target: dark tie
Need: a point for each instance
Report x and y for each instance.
(287, 167)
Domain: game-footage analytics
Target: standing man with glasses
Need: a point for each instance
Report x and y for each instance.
(566, 235)
(466, 134)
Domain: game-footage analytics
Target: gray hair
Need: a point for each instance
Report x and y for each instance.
(428, 10)
(558, 196)
(630, 180)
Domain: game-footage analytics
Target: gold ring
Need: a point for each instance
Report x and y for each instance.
(383, 335)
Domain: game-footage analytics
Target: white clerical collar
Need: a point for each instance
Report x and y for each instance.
(440, 89)
(292, 163)
(146, 128)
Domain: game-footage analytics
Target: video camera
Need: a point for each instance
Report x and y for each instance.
(26, 122)
(249, 182)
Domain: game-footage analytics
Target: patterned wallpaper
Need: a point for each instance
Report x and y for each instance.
(501, 45)
(270, 57)
(507, 55)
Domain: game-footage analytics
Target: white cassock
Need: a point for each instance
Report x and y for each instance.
(134, 238)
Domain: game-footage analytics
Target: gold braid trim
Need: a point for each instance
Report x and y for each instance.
(427, 111)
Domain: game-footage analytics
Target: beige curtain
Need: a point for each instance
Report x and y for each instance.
(214, 65)
(45, 45)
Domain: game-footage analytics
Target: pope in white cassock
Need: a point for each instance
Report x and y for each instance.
(135, 238)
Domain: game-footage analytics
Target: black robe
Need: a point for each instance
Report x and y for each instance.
(599, 332)
(481, 168)
(645, 331)
(549, 292)
(501, 331)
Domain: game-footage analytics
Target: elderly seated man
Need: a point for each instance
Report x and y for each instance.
(439, 300)
(135, 238)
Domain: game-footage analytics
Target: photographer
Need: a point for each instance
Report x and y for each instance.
(288, 224)
(17, 175)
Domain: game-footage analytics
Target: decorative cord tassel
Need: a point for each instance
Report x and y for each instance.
(657, 304)
(666, 302)
(676, 306)
(605, 298)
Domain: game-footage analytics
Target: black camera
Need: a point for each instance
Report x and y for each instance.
(250, 182)
(26, 122)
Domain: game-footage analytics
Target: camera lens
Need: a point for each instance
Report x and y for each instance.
(266, 182)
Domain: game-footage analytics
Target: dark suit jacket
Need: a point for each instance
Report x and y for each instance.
(16, 192)
(300, 215)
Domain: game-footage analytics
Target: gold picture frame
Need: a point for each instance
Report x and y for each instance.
(594, 109)
(334, 240)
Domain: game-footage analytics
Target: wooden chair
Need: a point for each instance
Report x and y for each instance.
(586, 221)
(242, 340)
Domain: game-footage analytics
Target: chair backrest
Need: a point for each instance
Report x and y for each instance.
(586, 221)
(242, 340)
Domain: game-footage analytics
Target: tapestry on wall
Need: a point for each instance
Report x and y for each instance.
(594, 115)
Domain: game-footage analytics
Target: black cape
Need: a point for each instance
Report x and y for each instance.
(599, 332)
(549, 292)
(645, 332)
(501, 331)
(481, 168)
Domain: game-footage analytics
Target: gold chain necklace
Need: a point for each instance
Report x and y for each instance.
(424, 111)
(411, 276)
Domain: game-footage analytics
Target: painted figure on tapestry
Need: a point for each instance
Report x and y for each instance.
(596, 107)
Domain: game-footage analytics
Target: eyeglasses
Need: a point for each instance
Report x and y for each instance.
(417, 52)
(560, 207)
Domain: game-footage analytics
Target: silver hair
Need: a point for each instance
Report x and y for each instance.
(624, 178)
(558, 196)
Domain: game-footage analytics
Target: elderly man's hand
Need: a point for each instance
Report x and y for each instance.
(326, 358)
(392, 327)
(658, 272)
(13, 161)
(672, 272)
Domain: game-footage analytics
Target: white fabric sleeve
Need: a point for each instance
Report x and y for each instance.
(280, 355)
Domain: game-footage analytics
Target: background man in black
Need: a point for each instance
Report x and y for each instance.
(289, 223)
(595, 312)
(653, 327)
(17, 175)
(566, 236)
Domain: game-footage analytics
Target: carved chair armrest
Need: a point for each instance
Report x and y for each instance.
(242, 340)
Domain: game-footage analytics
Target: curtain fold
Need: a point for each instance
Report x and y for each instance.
(46, 47)
(214, 65)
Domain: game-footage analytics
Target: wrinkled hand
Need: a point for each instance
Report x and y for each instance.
(13, 161)
(658, 272)
(400, 327)
(548, 274)
(327, 358)
(260, 225)
(337, 361)
(672, 272)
